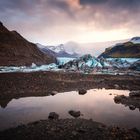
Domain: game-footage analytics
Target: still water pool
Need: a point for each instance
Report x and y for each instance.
(97, 104)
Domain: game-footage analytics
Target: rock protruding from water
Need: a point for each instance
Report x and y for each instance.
(53, 116)
(54, 93)
(119, 98)
(75, 114)
(132, 107)
(82, 91)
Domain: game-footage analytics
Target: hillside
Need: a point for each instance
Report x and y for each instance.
(17, 51)
(130, 49)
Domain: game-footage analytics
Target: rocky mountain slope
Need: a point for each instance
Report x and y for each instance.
(130, 49)
(17, 51)
(57, 51)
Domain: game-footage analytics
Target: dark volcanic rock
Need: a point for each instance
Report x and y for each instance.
(119, 98)
(132, 103)
(82, 91)
(54, 93)
(16, 50)
(132, 107)
(69, 129)
(53, 116)
(75, 114)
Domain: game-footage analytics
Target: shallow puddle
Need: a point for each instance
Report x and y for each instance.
(97, 104)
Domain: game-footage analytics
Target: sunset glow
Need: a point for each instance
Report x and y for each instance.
(60, 21)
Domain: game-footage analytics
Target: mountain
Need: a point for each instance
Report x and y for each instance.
(57, 51)
(129, 49)
(96, 48)
(17, 51)
(74, 49)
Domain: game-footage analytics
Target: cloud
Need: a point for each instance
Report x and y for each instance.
(92, 2)
(68, 19)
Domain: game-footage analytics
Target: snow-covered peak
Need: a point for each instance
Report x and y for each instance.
(57, 49)
(135, 40)
(39, 45)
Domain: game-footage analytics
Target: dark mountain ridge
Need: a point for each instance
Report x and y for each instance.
(130, 49)
(17, 51)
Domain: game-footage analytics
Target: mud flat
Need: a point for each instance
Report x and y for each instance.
(15, 85)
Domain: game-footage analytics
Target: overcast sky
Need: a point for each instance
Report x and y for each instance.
(59, 21)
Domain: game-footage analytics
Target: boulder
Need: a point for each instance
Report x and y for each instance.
(75, 114)
(54, 93)
(116, 86)
(53, 116)
(132, 107)
(82, 91)
(119, 98)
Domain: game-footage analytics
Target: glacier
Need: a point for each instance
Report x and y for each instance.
(84, 64)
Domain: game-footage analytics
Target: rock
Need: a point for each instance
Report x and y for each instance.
(74, 133)
(81, 130)
(54, 93)
(134, 94)
(132, 107)
(116, 86)
(82, 91)
(117, 99)
(53, 116)
(110, 94)
(135, 130)
(75, 114)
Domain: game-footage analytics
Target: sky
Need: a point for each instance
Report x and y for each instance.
(82, 21)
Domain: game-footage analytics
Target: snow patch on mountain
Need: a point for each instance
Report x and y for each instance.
(57, 49)
(135, 40)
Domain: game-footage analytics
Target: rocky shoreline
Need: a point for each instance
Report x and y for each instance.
(69, 129)
(132, 101)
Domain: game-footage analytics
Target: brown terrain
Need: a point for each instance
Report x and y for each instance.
(15, 85)
(17, 51)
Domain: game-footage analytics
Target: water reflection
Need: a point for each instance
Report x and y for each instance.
(97, 104)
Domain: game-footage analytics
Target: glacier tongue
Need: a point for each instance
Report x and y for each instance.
(32, 68)
(86, 64)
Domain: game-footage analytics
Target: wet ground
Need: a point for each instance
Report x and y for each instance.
(27, 97)
(17, 85)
